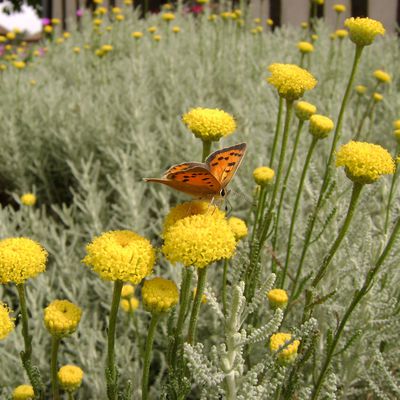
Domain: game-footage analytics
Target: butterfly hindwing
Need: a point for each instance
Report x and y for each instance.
(224, 163)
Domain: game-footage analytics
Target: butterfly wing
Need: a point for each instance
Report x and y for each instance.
(224, 163)
(181, 167)
(195, 180)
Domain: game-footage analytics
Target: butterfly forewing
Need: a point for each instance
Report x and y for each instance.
(224, 163)
(181, 167)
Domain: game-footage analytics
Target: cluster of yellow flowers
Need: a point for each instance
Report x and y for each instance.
(62, 317)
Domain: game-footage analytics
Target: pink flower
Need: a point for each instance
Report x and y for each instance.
(46, 21)
(196, 9)
(79, 12)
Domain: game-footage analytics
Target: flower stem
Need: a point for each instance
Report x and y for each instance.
(294, 215)
(111, 371)
(223, 291)
(357, 297)
(71, 396)
(206, 149)
(55, 343)
(277, 131)
(392, 186)
(147, 355)
(201, 283)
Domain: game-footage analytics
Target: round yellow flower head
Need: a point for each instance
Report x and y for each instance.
(319, 2)
(396, 124)
(176, 29)
(159, 295)
(259, 29)
(6, 322)
(129, 305)
(107, 48)
(137, 35)
(290, 80)
(3, 67)
(76, 50)
(304, 25)
(202, 1)
(360, 89)
(119, 18)
(19, 64)
(305, 47)
(97, 22)
(339, 8)
(55, 21)
(70, 377)
(62, 317)
(209, 124)
(396, 134)
(33, 83)
(320, 126)
(168, 6)
(203, 297)
(66, 35)
(199, 240)
(377, 97)
(304, 110)
(28, 199)
(364, 162)
(239, 227)
(212, 17)
(157, 38)
(363, 30)
(127, 290)
(190, 208)
(168, 17)
(382, 76)
(120, 255)
(341, 33)
(98, 2)
(227, 15)
(20, 259)
(277, 298)
(3, 39)
(289, 352)
(11, 35)
(263, 175)
(23, 392)
(99, 53)
(270, 22)
(48, 29)
(128, 2)
(116, 10)
(152, 29)
(60, 40)
(314, 37)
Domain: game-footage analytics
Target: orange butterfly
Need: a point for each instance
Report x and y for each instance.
(205, 180)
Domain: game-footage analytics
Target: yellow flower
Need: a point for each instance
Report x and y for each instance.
(6, 322)
(59, 40)
(66, 35)
(263, 175)
(168, 17)
(304, 25)
(20, 259)
(320, 126)
(257, 20)
(62, 317)
(19, 64)
(97, 22)
(377, 97)
(28, 199)
(168, 6)
(137, 35)
(23, 392)
(129, 305)
(48, 29)
(199, 240)
(202, 1)
(289, 352)
(305, 47)
(212, 17)
(11, 35)
(116, 10)
(55, 21)
(127, 290)
(304, 110)
(187, 209)
(341, 33)
(382, 76)
(339, 8)
(209, 124)
(101, 11)
(363, 30)
(270, 22)
(120, 255)
(152, 29)
(33, 83)
(99, 53)
(203, 296)
(290, 80)
(119, 18)
(3, 39)
(254, 31)
(364, 162)
(176, 29)
(128, 2)
(396, 124)
(277, 298)
(361, 89)
(238, 227)
(259, 29)
(157, 38)
(70, 377)
(159, 295)
(98, 1)
(319, 2)
(76, 50)
(107, 48)
(396, 134)
(227, 15)
(314, 37)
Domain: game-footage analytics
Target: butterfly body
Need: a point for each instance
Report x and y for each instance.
(206, 180)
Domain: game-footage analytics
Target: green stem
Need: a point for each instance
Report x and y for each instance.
(350, 212)
(55, 343)
(201, 283)
(367, 112)
(147, 355)
(111, 371)
(358, 295)
(206, 149)
(294, 215)
(224, 278)
(71, 396)
(285, 181)
(277, 132)
(260, 209)
(391, 192)
(302, 60)
(336, 137)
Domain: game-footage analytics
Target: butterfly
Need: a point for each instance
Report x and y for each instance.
(208, 179)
